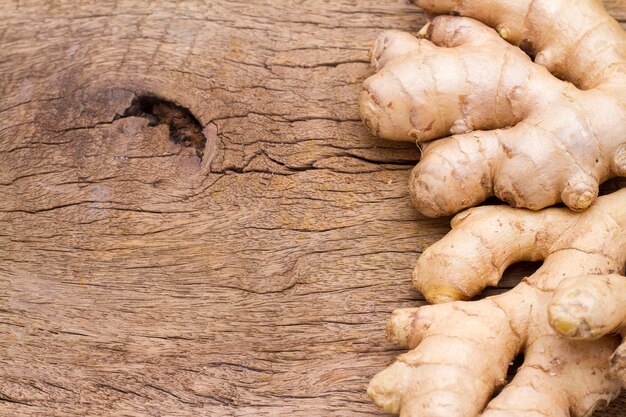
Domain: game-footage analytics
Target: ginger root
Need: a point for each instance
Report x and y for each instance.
(461, 350)
(505, 125)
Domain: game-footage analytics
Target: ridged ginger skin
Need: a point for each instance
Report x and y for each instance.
(562, 317)
(493, 122)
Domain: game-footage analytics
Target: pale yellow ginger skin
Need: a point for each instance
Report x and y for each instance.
(461, 350)
(589, 307)
(505, 125)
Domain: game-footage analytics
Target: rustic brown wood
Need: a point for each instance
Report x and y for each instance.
(138, 279)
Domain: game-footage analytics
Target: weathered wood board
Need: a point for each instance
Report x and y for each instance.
(137, 279)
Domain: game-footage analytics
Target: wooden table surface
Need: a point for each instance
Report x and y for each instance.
(138, 279)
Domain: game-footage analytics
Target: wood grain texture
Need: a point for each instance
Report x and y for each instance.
(138, 279)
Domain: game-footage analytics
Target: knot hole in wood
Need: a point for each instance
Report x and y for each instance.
(184, 128)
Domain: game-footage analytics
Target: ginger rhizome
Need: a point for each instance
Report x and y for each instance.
(562, 317)
(534, 132)
(504, 125)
